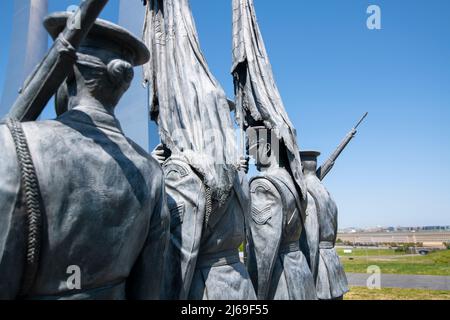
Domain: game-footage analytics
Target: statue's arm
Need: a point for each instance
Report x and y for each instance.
(12, 220)
(264, 234)
(309, 240)
(145, 282)
(186, 202)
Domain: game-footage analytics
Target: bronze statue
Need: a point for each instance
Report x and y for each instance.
(207, 197)
(258, 100)
(278, 268)
(321, 224)
(76, 193)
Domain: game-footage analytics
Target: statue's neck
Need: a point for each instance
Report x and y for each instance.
(274, 164)
(311, 173)
(89, 102)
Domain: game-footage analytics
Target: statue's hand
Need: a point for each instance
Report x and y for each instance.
(159, 154)
(244, 164)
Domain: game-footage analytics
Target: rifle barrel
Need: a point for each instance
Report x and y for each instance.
(57, 64)
(362, 119)
(323, 171)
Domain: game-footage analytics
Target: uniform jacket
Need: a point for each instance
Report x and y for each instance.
(309, 242)
(331, 281)
(104, 211)
(203, 257)
(278, 268)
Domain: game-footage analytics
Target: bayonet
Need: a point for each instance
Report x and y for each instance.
(360, 121)
(329, 164)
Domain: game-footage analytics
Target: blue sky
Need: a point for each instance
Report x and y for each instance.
(330, 69)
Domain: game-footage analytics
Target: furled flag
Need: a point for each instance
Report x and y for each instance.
(257, 96)
(188, 103)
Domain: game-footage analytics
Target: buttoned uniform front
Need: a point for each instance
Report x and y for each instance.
(278, 268)
(104, 207)
(203, 260)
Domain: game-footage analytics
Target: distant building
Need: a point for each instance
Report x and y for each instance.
(436, 228)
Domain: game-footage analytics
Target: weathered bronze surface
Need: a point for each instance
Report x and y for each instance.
(207, 196)
(278, 268)
(322, 224)
(104, 209)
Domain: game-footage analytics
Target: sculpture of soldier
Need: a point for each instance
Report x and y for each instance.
(278, 268)
(309, 242)
(186, 280)
(203, 261)
(331, 282)
(206, 194)
(101, 197)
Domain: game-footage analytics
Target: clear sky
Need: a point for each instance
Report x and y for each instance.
(330, 69)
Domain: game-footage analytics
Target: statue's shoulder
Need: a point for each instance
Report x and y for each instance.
(177, 164)
(279, 178)
(152, 162)
(315, 186)
(260, 178)
(38, 132)
(176, 168)
(264, 185)
(312, 179)
(44, 126)
(47, 132)
(266, 201)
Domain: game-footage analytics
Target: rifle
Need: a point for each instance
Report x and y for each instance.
(329, 164)
(48, 76)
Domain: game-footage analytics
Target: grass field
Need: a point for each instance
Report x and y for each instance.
(359, 293)
(392, 262)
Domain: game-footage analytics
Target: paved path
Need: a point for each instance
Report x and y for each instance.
(402, 281)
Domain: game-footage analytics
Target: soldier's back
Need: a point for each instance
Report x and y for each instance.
(204, 261)
(98, 192)
(276, 262)
(327, 211)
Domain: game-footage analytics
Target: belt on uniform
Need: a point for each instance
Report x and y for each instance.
(223, 258)
(290, 247)
(326, 245)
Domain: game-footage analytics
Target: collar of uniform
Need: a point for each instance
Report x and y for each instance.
(275, 171)
(281, 174)
(99, 117)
